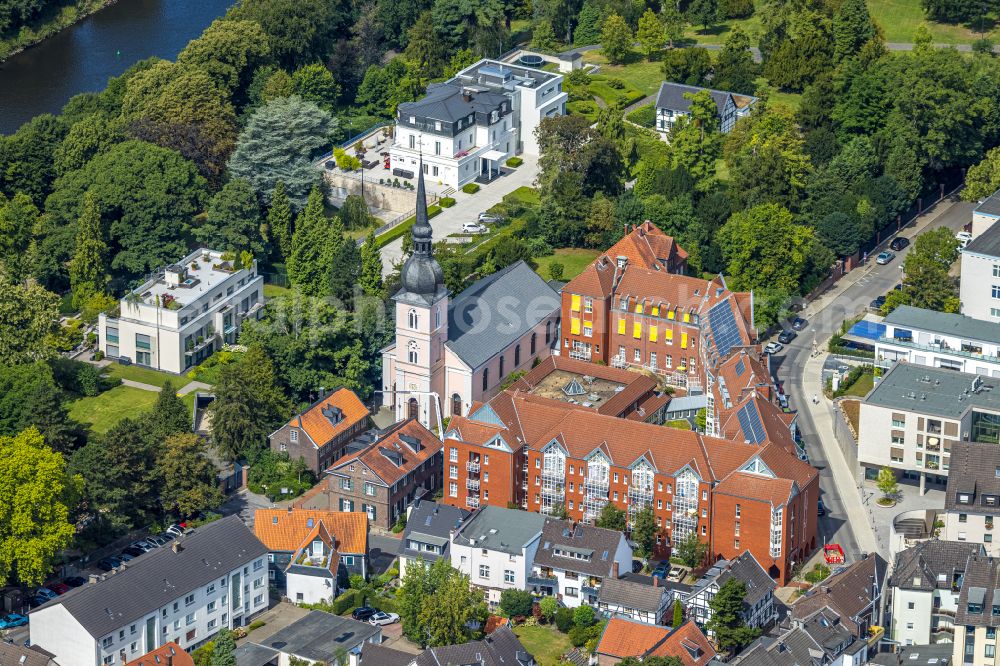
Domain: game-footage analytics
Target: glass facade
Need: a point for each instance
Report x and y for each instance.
(985, 427)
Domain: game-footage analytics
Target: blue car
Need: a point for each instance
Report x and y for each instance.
(12, 620)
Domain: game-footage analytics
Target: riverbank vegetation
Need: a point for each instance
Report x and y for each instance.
(24, 23)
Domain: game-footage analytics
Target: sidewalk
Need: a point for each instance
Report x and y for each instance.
(467, 207)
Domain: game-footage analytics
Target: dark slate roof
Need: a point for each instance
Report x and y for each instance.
(500, 529)
(744, 568)
(945, 323)
(16, 655)
(380, 655)
(251, 654)
(849, 593)
(501, 648)
(916, 655)
(801, 645)
(161, 576)
(430, 522)
(929, 561)
(318, 636)
(630, 594)
(982, 585)
(680, 588)
(492, 313)
(973, 471)
(671, 96)
(595, 544)
(933, 391)
(990, 205)
(444, 102)
(988, 242)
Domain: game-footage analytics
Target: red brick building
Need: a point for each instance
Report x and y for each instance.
(633, 307)
(540, 453)
(321, 433)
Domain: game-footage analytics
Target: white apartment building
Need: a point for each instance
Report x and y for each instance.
(467, 127)
(915, 415)
(940, 340)
(496, 547)
(980, 288)
(183, 314)
(926, 583)
(186, 592)
(574, 559)
(985, 214)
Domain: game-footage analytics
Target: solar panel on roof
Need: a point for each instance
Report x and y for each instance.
(740, 367)
(722, 325)
(750, 423)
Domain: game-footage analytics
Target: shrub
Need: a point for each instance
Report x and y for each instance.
(98, 355)
(579, 77)
(617, 84)
(345, 602)
(344, 161)
(89, 378)
(256, 624)
(400, 524)
(515, 603)
(515, 162)
(644, 116)
(446, 202)
(818, 573)
(470, 188)
(556, 270)
(384, 603)
(357, 582)
(564, 619)
(547, 607)
(584, 616)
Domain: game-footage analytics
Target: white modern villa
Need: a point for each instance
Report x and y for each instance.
(184, 313)
(468, 126)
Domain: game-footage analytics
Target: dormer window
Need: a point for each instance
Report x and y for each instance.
(964, 498)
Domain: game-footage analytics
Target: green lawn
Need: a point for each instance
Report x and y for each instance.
(545, 642)
(105, 410)
(573, 259)
(144, 375)
(861, 387)
(900, 18)
(526, 195)
(680, 424)
(717, 34)
(272, 290)
(644, 76)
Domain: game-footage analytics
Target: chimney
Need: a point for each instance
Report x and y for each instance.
(656, 581)
(176, 546)
(93, 578)
(466, 95)
(614, 569)
(170, 660)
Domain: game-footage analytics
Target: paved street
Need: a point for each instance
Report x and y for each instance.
(847, 520)
(467, 207)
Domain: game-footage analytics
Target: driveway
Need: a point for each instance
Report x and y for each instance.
(245, 503)
(467, 207)
(848, 520)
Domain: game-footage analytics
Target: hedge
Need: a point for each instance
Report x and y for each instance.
(348, 601)
(644, 116)
(470, 188)
(404, 226)
(515, 162)
(446, 202)
(383, 603)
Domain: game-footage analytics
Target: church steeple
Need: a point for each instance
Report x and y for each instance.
(422, 275)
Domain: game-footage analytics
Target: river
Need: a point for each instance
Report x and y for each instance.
(84, 56)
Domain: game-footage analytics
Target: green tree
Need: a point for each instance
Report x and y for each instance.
(612, 518)
(548, 607)
(516, 603)
(278, 143)
(767, 161)
(927, 283)
(727, 622)
(169, 414)
(981, 180)
(89, 136)
(414, 588)
(588, 27)
(476, 24)
(229, 51)
(37, 496)
(584, 616)
(30, 314)
(953, 11)
(674, 23)
(644, 531)
(370, 280)
(187, 477)
(678, 618)
(797, 47)
(29, 396)
(224, 649)
(233, 220)
(690, 66)
(148, 196)
(616, 39)
(87, 273)
(542, 36)
(886, 483)
(703, 12)
(298, 31)
(735, 69)
(691, 549)
(17, 221)
(436, 605)
(26, 163)
(695, 140)
(852, 28)
(424, 49)
(315, 83)
(279, 221)
(313, 248)
(248, 405)
(652, 35)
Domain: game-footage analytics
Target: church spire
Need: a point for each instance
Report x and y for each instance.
(421, 275)
(422, 232)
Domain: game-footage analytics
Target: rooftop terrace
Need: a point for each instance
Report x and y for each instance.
(179, 285)
(576, 388)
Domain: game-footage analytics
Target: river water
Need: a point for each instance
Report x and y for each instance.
(83, 57)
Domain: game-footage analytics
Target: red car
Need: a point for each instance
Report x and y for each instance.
(58, 588)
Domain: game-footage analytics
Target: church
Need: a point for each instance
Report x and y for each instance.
(450, 352)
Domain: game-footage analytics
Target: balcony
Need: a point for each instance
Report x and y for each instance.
(944, 611)
(472, 502)
(596, 486)
(542, 579)
(590, 590)
(197, 347)
(555, 475)
(472, 484)
(580, 354)
(875, 634)
(941, 349)
(472, 466)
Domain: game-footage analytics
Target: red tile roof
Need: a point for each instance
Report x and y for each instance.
(171, 652)
(287, 529)
(319, 428)
(625, 638)
(646, 245)
(397, 452)
(688, 643)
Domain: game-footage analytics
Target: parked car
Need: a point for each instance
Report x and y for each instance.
(109, 563)
(899, 243)
(473, 228)
(661, 570)
(176, 530)
(157, 540)
(142, 545)
(787, 336)
(963, 238)
(13, 620)
(167, 537)
(783, 401)
(58, 588)
(45, 593)
(799, 323)
(75, 581)
(126, 557)
(773, 347)
(820, 508)
(884, 257)
(363, 613)
(380, 619)
(877, 303)
(487, 218)
(675, 574)
(133, 552)
(637, 566)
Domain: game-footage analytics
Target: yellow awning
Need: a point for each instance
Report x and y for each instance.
(670, 315)
(574, 326)
(668, 335)
(621, 326)
(575, 303)
(684, 340)
(637, 330)
(652, 334)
